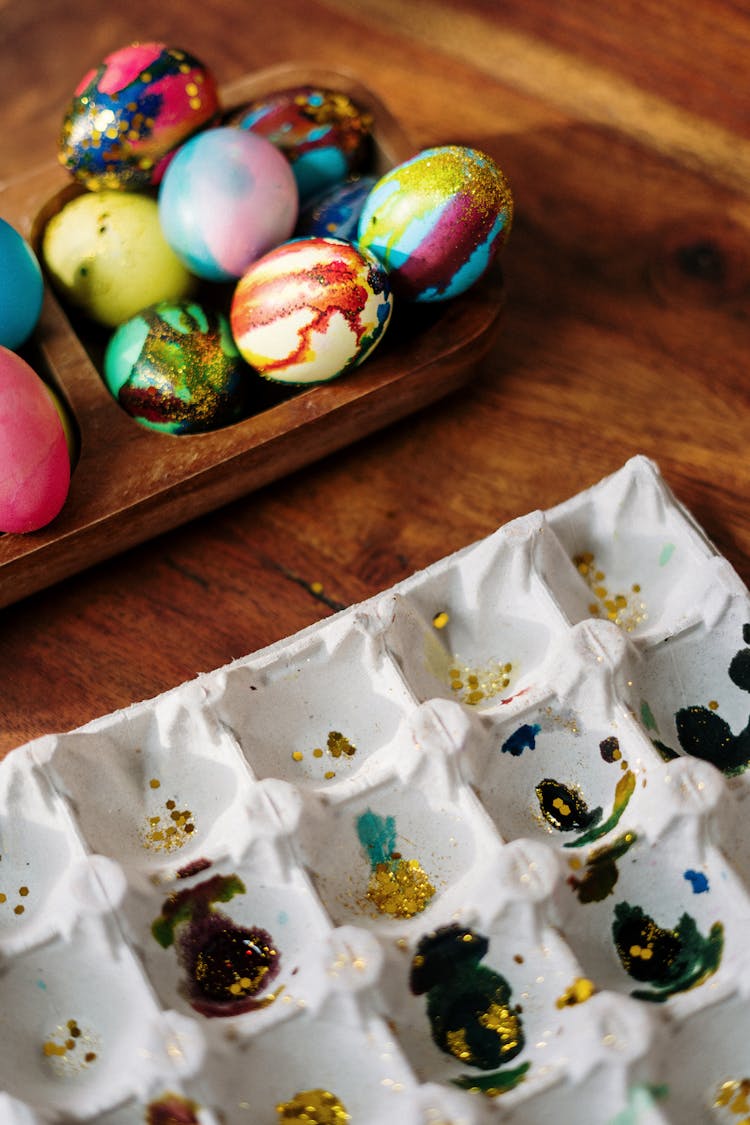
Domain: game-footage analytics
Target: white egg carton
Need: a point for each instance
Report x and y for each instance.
(441, 859)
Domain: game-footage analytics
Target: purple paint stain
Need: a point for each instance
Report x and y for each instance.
(697, 880)
(522, 739)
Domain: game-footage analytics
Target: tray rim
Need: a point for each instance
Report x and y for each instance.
(175, 478)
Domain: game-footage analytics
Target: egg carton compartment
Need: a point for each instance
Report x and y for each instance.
(391, 858)
(634, 549)
(321, 715)
(480, 1000)
(330, 1064)
(45, 876)
(658, 911)
(692, 688)
(426, 353)
(570, 760)
(154, 788)
(477, 627)
(520, 895)
(612, 1069)
(81, 1029)
(714, 1088)
(234, 947)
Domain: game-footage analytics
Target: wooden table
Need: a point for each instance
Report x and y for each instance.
(626, 139)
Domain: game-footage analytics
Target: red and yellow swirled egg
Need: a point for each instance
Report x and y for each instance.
(310, 310)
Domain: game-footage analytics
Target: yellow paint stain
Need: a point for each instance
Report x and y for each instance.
(581, 990)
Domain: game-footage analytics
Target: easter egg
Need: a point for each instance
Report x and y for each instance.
(310, 310)
(34, 462)
(227, 198)
(335, 213)
(437, 221)
(21, 288)
(131, 112)
(322, 132)
(106, 254)
(175, 368)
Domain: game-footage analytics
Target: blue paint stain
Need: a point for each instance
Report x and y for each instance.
(522, 739)
(697, 880)
(42, 985)
(283, 918)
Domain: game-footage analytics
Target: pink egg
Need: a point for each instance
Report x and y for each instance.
(34, 461)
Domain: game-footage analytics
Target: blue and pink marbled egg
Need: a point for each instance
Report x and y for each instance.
(437, 221)
(226, 199)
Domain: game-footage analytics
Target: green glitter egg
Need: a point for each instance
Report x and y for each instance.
(175, 368)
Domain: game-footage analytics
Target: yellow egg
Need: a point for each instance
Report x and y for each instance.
(106, 254)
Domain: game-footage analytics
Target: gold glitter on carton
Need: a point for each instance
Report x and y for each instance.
(69, 1049)
(734, 1095)
(313, 1107)
(625, 610)
(170, 830)
(337, 746)
(400, 888)
(472, 685)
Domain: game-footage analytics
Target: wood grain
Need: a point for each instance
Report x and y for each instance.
(625, 138)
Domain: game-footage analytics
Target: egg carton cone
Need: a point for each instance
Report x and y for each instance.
(471, 851)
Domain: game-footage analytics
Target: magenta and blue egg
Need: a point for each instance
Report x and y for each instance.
(21, 288)
(437, 221)
(323, 134)
(335, 213)
(226, 199)
(130, 113)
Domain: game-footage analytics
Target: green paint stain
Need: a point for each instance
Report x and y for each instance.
(469, 1006)
(671, 961)
(642, 1100)
(623, 792)
(647, 717)
(600, 873)
(666, 553)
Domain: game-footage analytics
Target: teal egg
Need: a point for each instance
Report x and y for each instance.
(21, 288)
(175, 368)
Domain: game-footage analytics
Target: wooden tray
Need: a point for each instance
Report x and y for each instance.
(130, 483)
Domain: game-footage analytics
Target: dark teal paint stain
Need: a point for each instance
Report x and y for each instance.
(522, 739)
(464, 998)
(704, 734)
(377, 835)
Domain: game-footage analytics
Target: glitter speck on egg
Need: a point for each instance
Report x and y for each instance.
(437, 221)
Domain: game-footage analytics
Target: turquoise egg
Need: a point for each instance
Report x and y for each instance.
(21, 288)
(175, 368)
